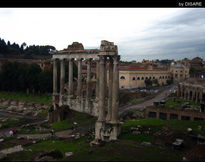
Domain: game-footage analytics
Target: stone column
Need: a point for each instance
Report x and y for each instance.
(193, 94)
(55, 84)
(110, 84)
(182, 91)
(101, 102)
(88, 89)
(88, 93)
(105, 71)
(70, 77)
(179, 91)
(79, 88)
(97, 79)
(115, 90)
(196, 97)
(200, 95)
(62, 77)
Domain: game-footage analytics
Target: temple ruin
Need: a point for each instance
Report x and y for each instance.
(106, 101)
(192, 89)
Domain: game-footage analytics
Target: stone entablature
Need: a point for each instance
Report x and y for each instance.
(106, 102)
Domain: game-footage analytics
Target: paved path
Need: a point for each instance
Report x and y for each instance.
(18, 115)
(62, 134)
(141, 106)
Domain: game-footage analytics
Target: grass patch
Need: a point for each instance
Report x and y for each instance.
(144, 122)
(138, 137)
(9, 123)
(179, 102)
(81, 118)
(20, 156)
(124, 151)
(175, 125)
(24, 97)
(135, 101)
(61, 145)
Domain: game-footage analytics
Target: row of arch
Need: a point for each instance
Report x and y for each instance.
(143, 78)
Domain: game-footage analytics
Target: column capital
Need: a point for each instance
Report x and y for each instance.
(54, 59)
(89, 60)
(70, 59)
(102, 59)
(116, 59)
(79, 59)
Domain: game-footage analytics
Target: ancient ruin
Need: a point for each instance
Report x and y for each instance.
(106, 102)
(192, 89)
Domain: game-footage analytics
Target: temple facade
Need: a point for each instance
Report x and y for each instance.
(106, 101)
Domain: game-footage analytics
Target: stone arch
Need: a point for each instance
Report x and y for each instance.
(122, 77)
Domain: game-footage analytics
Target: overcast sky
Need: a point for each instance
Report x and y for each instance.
(140, 33)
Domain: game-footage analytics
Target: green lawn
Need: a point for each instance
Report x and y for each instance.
(135, 101)
(81, 119)
(178, 102)
(61, 145)
(24, 97)
(9, 123)
(123, 150)
(175, 125)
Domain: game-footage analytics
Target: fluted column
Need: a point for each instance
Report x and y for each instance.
(105, 71)
(115, 89)
(70, 77)
(55, 84)
(62, 77)
(55, 77)
(97, 78)
(79, 88)
(88, 89)
(193, 94)
(110, 84)
(101, 102)
(200, 96)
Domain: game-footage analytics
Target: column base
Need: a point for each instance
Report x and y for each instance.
(55, 99)
(107, 131)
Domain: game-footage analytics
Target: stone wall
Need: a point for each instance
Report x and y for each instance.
(22, 107)
(82, 105)
(168, 114)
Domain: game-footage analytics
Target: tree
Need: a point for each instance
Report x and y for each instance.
(170, 81)
(148, 83)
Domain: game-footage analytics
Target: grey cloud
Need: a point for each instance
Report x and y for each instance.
(180, 36)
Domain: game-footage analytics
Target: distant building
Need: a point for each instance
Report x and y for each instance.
(179, 72)
(133, 77)
(197, 67)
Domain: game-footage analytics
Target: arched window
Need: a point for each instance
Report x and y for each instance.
(133, 78)
(146, 78)
(122, 77)
(138, 78)
(160, 77)
(153, 77)
(142, 78)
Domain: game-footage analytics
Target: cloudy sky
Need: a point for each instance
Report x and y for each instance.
(140, 33)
